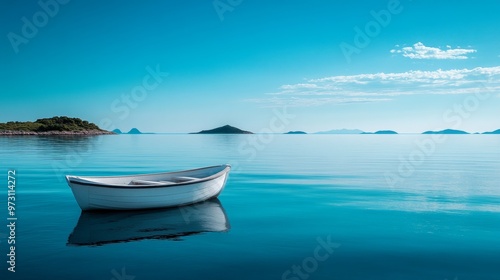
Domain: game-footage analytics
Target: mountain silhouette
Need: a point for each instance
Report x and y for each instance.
(492, 132)
(134, 131)
(446, 131)
(381, 132)
(227, 129)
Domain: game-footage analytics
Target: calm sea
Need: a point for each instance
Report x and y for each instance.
(295, 207)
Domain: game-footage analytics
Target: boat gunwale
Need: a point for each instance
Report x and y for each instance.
(122, 186)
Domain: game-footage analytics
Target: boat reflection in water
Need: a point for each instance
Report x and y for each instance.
(100, 228)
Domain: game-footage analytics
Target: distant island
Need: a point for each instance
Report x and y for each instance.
(357, 131)
(62, 125)
(492, 132)
(446, 131)
(134, 131)
(131, 131)
(341, 131)
(381, 132)
(52, 126)
(227, 129)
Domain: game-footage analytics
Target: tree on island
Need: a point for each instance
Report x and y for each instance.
(54, 124)
(64, 124)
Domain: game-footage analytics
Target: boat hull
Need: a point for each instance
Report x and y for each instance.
(125, 197)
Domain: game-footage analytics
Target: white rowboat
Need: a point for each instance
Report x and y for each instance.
(149, 190)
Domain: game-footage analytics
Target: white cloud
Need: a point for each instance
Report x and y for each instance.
(298, 86)
(380, 87)
(308, 102)
(420, 51)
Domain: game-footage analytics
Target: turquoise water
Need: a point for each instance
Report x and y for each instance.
(296, 207)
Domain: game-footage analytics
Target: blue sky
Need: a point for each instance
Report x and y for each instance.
(404, 65)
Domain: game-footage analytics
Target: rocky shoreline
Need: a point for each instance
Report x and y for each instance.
(55, 133)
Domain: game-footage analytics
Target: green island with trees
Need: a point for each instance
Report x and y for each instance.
(52, 126)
